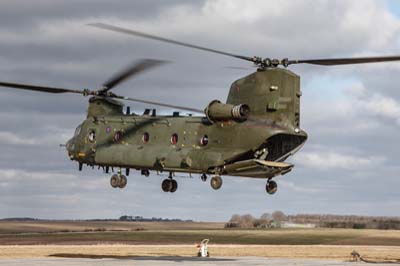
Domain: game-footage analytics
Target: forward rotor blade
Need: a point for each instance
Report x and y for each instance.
(132, 70)
(162, 39)
(38, 88)
(346, 61)
(159, 104)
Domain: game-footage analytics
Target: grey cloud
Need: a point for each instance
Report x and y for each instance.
(27, 14)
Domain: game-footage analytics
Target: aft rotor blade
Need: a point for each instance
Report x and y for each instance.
(38, 88)
(159, 104)
(346, 61)
(162, 39)
(131, 70)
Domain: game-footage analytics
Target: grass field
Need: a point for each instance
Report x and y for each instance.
(30, 239)
(10, 227)
(41, 233)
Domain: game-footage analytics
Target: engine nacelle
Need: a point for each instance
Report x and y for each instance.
(217, 111)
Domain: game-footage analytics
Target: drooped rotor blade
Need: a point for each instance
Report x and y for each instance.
(190, 109)
(131, 70)
(162, 39)
(346, 61)
(39, 88)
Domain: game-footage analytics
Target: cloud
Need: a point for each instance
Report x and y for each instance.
(332, 160)
(10, 138)
(375, 104)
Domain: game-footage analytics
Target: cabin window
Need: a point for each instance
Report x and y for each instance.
(204, 140)
(118, 136)
(145, 137)
(174, 139)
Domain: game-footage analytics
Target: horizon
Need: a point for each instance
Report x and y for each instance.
(190, 220)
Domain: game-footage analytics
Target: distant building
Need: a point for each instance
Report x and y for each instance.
(296, 225)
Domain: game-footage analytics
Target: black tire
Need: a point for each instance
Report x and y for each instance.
(271, 187)
(123, 182)
(166, 185)
(174, 186)
(199, 254)
(115, 181)
(216, 182)
(145, 172)
(204, 177)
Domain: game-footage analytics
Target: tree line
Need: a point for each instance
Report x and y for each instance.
(266, 220)
(348, 221)
(278, 219)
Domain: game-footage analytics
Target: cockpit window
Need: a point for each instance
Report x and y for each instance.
(78, 130)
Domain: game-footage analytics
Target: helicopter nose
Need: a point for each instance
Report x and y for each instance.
(70, 147)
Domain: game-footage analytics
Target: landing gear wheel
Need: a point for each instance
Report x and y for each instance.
(115, 181)
(271, 187)
(203, 177)
(145, 172)
(123, 182)
(216, 182)
(174, 186)
(166, 185)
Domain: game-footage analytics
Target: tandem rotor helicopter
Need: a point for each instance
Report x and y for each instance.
(251, 135)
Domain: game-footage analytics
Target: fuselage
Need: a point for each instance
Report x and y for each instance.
(179, 143)
(109, 137)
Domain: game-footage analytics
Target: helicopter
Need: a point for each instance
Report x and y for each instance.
(251, 134)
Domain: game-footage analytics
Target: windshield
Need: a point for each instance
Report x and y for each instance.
(78, 130)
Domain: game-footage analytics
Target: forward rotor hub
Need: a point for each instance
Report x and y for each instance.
(268, 62)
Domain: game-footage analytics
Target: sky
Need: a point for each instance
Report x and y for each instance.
(352, 113)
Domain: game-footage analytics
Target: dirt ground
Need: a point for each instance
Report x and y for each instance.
(10, 227)
(170, 233)
(272, 251)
